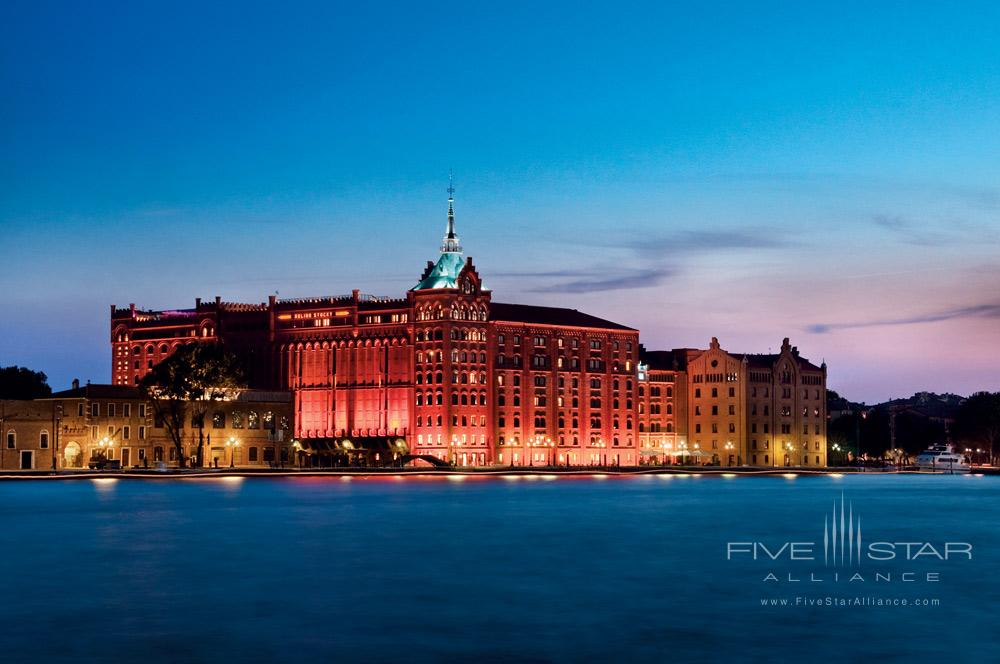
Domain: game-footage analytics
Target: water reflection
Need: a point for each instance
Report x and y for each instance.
(323, 569)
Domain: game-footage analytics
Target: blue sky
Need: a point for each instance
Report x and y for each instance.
(742, 170)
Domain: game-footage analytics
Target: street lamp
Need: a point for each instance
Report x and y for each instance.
(232, 444)
(103, 443)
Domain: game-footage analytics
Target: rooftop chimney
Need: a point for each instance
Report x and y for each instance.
(76, 383)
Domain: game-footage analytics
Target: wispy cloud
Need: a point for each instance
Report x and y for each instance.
(602, 280)
(654, 260)
(911, 232)
(991, 310)
(706, 241)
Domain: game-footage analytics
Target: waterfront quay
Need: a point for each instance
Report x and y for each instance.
(376, 472)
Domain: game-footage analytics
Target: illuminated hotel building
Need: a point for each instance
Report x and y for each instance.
(443, 371)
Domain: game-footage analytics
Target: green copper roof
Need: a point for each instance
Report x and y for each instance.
(444, 274)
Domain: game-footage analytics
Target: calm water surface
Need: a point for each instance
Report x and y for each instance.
(412, 569)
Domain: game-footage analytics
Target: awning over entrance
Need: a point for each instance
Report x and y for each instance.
(388, 445)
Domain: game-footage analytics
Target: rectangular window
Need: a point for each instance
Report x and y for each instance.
(79, 409)
(126, 432)
(142, 410)
(127, 410)
(111, 410)
(142, 433)
(95, 409)
(253, 454)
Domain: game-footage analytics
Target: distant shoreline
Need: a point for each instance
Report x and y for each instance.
(175, 474)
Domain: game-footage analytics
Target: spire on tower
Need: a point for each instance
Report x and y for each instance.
(451, 244)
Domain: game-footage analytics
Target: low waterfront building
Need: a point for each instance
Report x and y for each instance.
(28, 429)
(91, 425)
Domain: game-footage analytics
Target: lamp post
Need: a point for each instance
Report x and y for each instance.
(103, 443)
(232, 444)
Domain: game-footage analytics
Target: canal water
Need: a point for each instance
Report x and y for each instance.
(498, 569)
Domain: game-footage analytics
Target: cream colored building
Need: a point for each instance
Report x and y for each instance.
(116, 423)
(757, 409)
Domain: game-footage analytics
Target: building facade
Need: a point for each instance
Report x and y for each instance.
(442, 372)
(87, 426)
(738, 409)
(447, 373)
(29, 432)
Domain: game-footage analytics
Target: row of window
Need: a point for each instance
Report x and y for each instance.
(457, 377)
(43, 439)
(112, 409)
(541, 342)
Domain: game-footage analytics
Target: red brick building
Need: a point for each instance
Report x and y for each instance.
(442, 371)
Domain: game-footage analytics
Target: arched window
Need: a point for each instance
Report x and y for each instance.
(43, 439)
(11, 439)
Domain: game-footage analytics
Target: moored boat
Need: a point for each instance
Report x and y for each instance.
(942, 459)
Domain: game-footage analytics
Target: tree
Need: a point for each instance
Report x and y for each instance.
(23, 383)
(190, 380)
(977, 423)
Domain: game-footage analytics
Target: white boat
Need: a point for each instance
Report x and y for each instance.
(942, 459)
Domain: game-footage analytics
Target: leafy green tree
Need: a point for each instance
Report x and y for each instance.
(977, 423)
(22, 383)
(187, 383)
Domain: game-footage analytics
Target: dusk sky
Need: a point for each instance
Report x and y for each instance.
(748, 171)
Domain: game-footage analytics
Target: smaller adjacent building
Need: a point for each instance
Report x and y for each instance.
(85, 425)
(28, 435)
(732, 409)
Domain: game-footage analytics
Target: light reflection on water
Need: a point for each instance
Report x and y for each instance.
(422, 569)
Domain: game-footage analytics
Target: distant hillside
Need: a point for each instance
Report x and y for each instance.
(912, 423)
